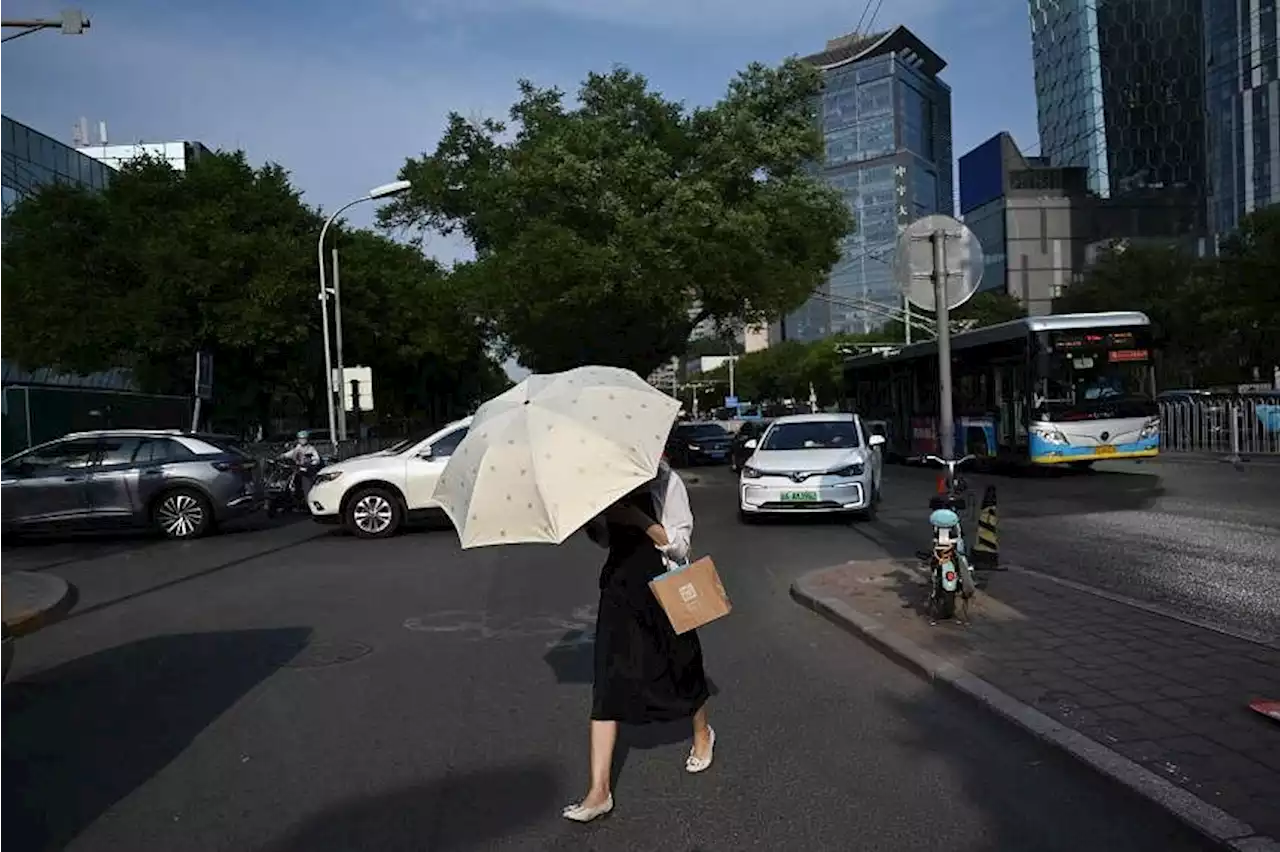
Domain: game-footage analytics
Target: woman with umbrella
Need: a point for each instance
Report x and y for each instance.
(558, 452)
(644, 671)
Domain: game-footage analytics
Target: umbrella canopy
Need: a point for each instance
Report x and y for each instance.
(551, 453)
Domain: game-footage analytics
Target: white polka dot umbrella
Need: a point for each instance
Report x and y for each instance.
(553, 452)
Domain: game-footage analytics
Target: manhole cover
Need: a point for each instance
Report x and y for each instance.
(318, 654)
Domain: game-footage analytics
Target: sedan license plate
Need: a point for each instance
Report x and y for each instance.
(799, 496)
(1106, 450)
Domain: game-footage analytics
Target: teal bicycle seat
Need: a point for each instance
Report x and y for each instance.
(944, 518)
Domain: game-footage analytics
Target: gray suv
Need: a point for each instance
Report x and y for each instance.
(181, 483)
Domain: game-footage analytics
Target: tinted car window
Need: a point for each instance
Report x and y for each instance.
(159, 450)
(448, 443)
(702, 430)
(821, 434)
(118, 450)
(62, 455)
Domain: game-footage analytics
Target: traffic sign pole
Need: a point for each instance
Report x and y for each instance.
(940, 279)
(946, 415)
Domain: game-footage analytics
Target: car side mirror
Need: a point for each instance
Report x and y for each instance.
(751, 444)
(426, 454)
(876, 441)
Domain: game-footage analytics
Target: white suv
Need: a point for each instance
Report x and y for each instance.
(373, 495)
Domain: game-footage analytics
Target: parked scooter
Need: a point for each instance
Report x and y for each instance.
(950, 573)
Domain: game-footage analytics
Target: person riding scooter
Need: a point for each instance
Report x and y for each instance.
(307, 458)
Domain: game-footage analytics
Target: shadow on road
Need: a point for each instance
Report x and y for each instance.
(457, 812)
(83, 735)
(43, 551)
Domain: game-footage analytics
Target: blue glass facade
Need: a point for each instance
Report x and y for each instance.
(1242, 103)
(1120, 92)
(886, 119)
(32, 159)
(1068, 69)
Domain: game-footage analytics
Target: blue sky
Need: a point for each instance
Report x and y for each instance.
(341, 93)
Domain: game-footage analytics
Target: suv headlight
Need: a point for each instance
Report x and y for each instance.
(327, 476)
(1050, 435)
(749, 472)
(855, 469)
(1150, 429)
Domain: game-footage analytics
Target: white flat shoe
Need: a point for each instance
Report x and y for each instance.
(694, 764)
(578, 813)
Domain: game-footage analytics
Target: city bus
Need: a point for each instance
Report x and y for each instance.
(1060, 389)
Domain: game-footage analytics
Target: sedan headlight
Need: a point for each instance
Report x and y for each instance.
(749, 472)
(694, 447)
(1150, 429)
(1050, 435)
(327, 476)
(855, 469)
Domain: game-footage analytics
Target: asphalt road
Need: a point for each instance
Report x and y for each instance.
(335, 694)
(1198, 538)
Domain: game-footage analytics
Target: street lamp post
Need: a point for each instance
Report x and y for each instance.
(386, 190)
(72, 22)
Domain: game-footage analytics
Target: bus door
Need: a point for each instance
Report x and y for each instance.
(1010, 394)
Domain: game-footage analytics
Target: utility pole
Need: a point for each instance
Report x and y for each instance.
(72, 22)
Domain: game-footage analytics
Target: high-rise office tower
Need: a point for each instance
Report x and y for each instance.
(886, 119)
(1120, 92)
(1242, 100)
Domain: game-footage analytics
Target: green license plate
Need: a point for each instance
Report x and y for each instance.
(799, 496)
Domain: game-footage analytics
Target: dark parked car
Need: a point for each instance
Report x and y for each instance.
(181, 483)
(738, 453)
(698, 443)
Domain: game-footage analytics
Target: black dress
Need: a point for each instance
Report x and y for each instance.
(644, 672)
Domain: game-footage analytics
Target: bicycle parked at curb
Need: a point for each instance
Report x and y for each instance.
(950, 574)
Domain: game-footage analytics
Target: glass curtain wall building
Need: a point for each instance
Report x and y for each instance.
(32, 159)
(1242, 91)
(886, 120)
(1120, 92)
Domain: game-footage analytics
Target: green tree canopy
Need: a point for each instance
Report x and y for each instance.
(786, 370)
(1172, 288)
(606, 230)
(221, 258)
(990, 307)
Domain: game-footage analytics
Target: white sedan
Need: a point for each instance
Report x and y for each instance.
(812, 463)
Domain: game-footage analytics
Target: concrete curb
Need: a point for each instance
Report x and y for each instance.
(1210, 821)
(34, 600)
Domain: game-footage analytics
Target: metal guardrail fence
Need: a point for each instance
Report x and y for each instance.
(1229, 426)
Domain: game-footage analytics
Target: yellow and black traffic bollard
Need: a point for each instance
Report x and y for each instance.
(986, 550)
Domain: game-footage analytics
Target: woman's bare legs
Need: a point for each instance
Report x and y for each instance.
(701, 733)
(604, 736)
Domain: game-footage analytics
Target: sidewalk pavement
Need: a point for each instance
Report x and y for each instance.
(1158, 703)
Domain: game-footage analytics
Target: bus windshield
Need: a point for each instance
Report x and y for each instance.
(1087, 374)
